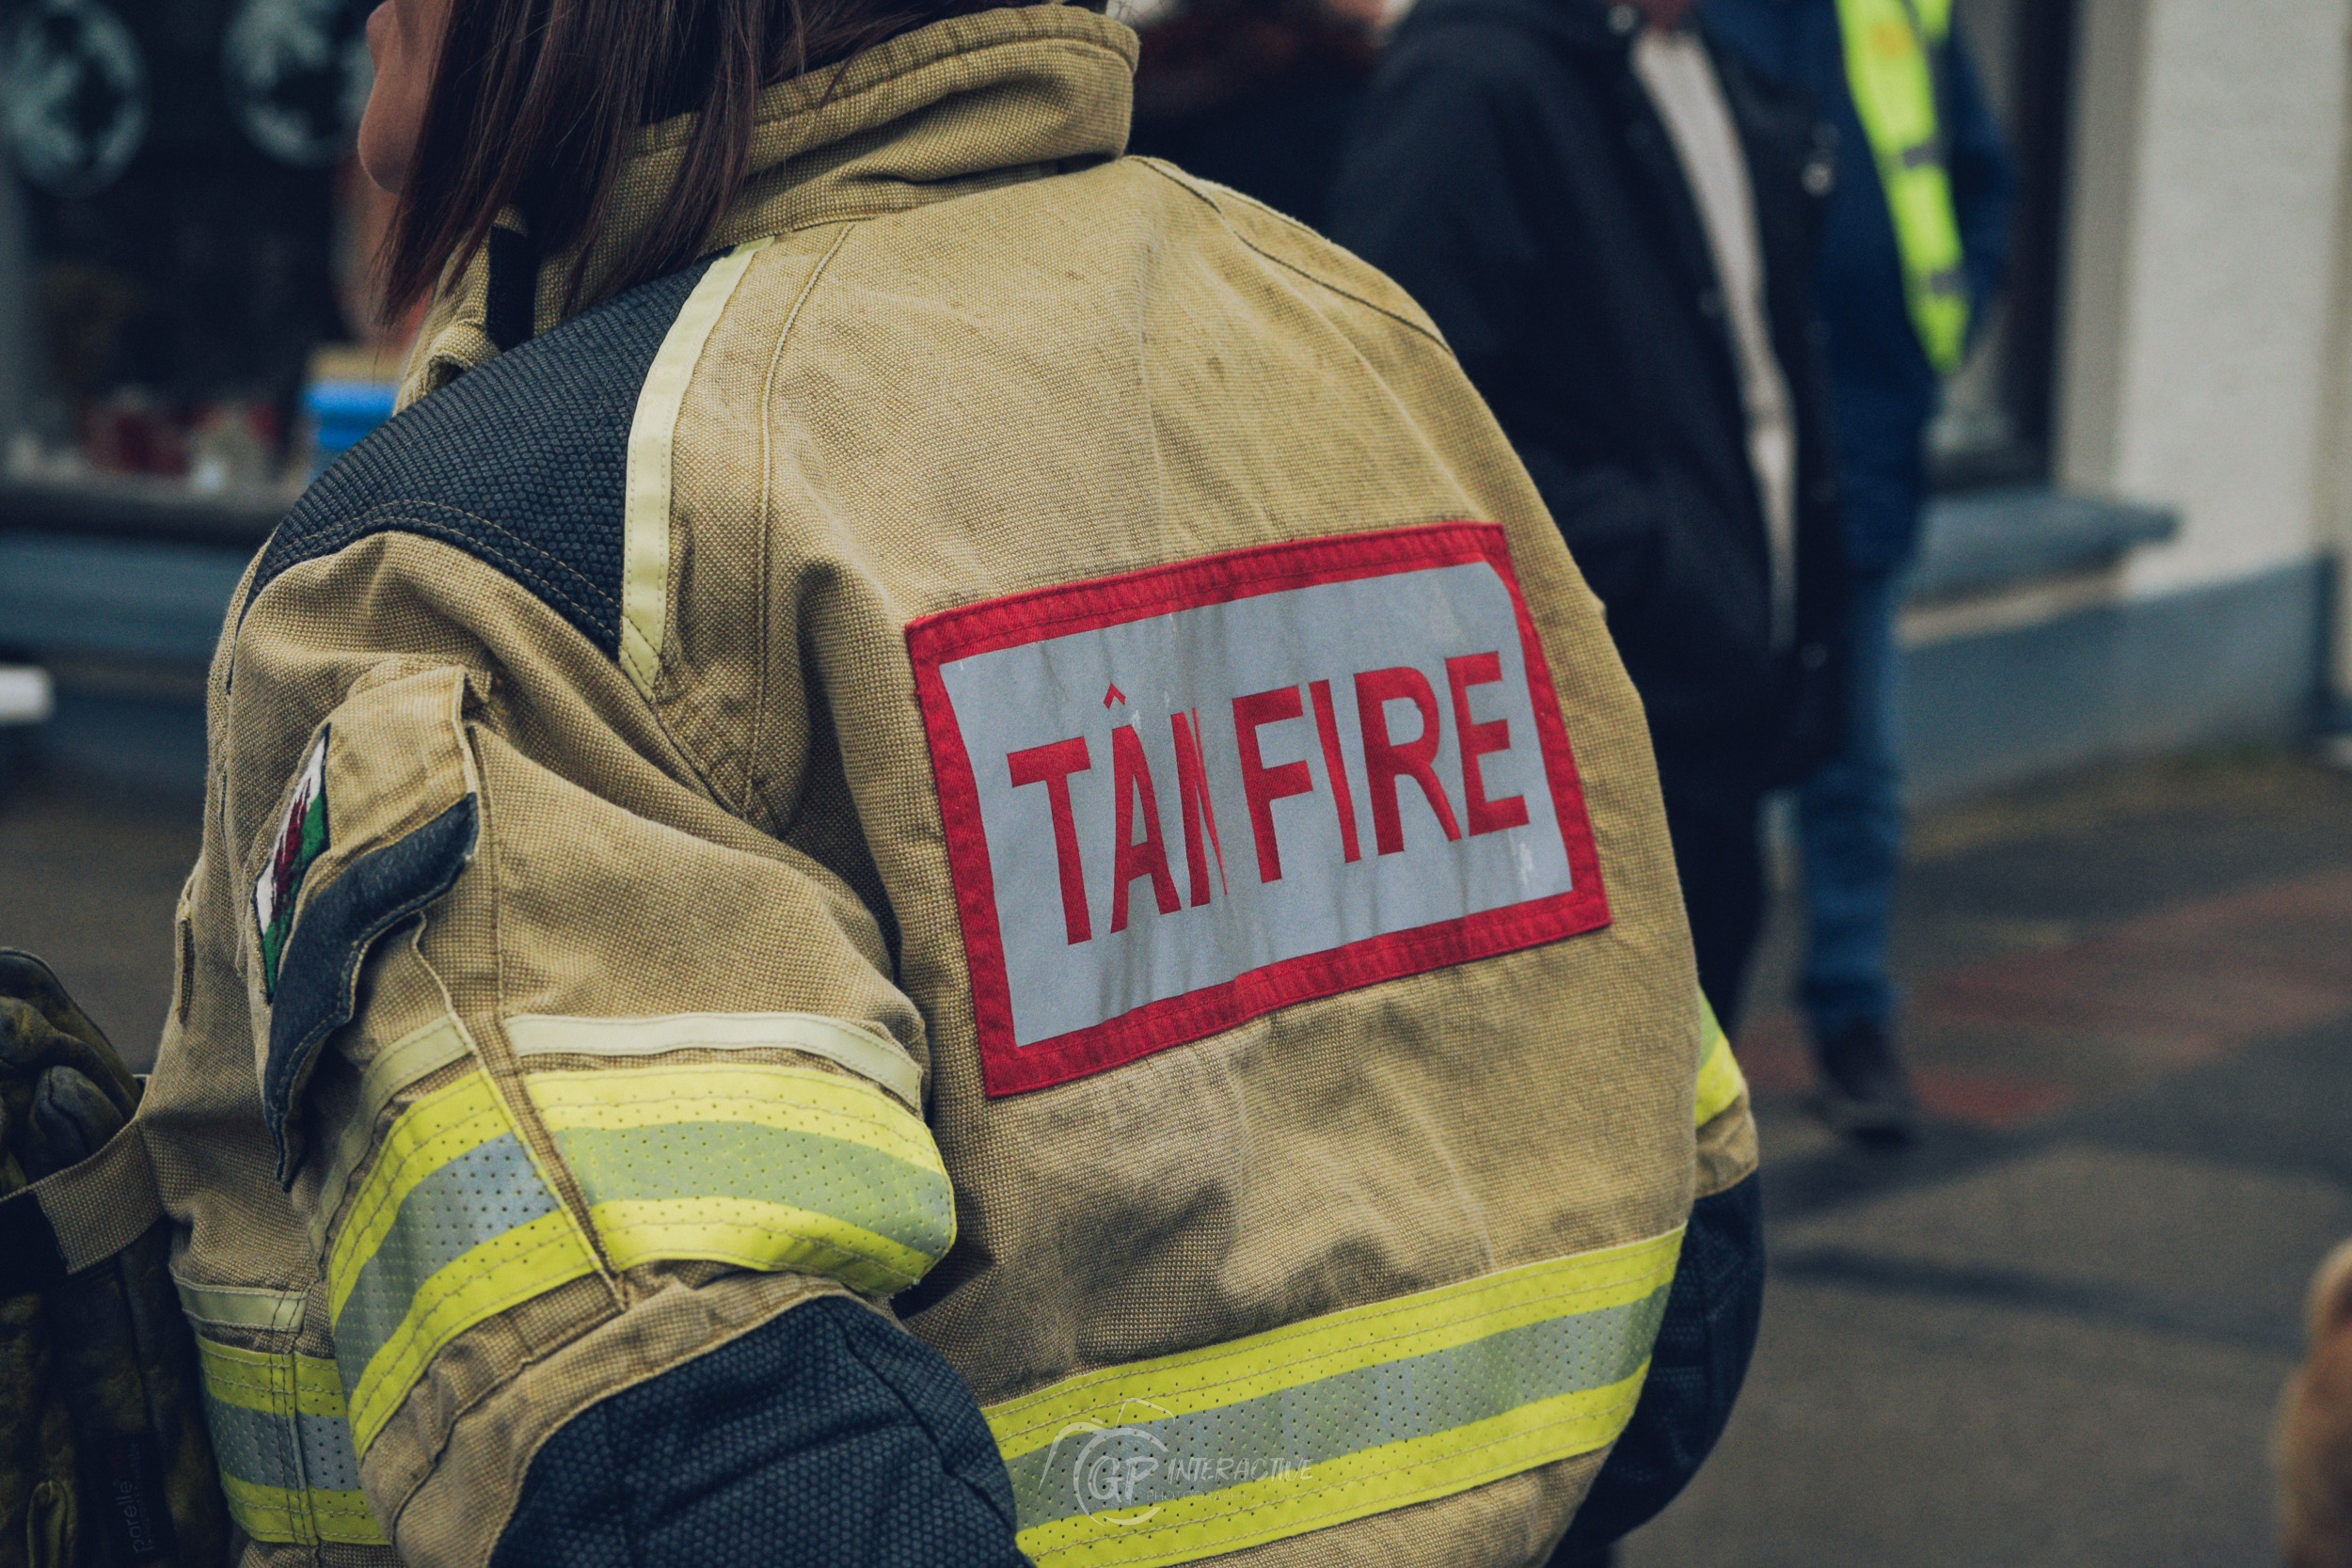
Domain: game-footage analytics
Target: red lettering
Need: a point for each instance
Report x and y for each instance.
(1477, 740)
(1386, 761)
(1262, 786)
(1343, 793)
(1192, 800)
(1052, 766)
(1131, 782)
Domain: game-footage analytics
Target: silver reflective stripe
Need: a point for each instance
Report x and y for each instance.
(869, 1188)
(293, 1453)
(240, 1306)
(864, 1051)
(397, 1066)
(476, 1198)
(1157, 1461)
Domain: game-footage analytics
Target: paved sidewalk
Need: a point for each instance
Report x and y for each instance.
(2055, 1333)
(88, 881)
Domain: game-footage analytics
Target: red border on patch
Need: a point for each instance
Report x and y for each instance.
(1006, 1067)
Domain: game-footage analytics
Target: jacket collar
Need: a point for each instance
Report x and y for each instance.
(978, 101)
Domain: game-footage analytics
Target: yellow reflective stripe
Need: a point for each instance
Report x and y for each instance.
(1337, 1418)
(420, 1051)
(861, 1050)
(451, 1224)
(797, 1099)
(1721, 1082)
(430, 1132)
(287, 1462)
(1889, 75)
(761, 1165)
(240, 1306)
(1317, 1348)
(645, 506)
(770, 1237)
(283, 1517)
(1369, 1481)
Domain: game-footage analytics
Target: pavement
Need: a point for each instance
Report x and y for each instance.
(2055, 1331)
(2052, 1333)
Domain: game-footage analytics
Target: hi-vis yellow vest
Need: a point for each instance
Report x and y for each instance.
(1891, 52)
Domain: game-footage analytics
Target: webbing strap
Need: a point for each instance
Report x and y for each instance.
(80, 1216)
(1335, 1417)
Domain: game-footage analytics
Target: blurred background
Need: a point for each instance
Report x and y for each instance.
(2051, 1331)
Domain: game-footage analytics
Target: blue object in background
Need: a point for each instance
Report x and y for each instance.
(341, 415)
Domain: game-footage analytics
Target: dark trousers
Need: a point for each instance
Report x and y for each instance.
(1715, 826)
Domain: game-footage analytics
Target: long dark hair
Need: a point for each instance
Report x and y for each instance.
(537, 103)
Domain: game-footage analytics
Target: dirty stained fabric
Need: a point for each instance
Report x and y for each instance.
(626, 1006)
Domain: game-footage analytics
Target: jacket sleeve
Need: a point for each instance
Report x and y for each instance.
(1708, 1333)
(593, 1093)
(1444, 188)
(1983, 185)
(826, 1436)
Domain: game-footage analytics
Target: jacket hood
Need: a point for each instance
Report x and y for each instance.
(963, 106)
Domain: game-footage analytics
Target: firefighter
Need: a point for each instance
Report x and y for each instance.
(936, 862)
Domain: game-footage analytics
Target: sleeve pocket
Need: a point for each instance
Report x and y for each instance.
(381, 817)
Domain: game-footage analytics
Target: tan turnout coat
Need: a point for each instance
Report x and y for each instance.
(572, 782)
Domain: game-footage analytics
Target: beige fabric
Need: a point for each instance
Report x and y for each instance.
(1673, 67)
(982, 355)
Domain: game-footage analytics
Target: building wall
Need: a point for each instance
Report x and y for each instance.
(2208, 166)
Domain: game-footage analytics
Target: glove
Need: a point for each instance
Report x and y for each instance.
(104, 1456)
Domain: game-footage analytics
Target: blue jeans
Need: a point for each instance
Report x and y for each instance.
(1850, 825)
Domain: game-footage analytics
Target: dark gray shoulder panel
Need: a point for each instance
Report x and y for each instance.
(520, 462)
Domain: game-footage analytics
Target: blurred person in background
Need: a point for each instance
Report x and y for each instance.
(1911, 250)
(1612, 222)
(1255, 94)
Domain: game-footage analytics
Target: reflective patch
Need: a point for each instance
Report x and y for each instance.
(283, 1447)
(1185, 798)
(302, 837)
(451, 1224)
(763, 1166)
(424, 1050)
(1337, 1418)
(652, 437)
(1720, 1082)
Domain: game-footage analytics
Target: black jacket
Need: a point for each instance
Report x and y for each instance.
(1509, 170)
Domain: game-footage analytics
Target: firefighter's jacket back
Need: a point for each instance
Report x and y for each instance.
(1014, 745)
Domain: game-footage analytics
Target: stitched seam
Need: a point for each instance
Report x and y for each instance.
(388, 517)
(1321, 282)
(1297, 1527)
(939, 1448)
(753, 790)
(1403, 1303)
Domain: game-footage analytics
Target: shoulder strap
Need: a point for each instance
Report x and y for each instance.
(80, 1216)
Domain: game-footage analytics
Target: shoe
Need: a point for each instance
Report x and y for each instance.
(1864, 1092)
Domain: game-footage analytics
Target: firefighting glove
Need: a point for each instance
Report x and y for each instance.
(104, 1458)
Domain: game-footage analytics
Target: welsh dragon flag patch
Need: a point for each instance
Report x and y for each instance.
(301, 839)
